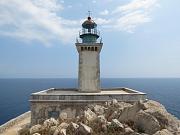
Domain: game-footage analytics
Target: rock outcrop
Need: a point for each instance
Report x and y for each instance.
(84, 130)
(36, 129)
(165, 119)
(50, 122)
(163, 132)
(146, 123)
(113, 118)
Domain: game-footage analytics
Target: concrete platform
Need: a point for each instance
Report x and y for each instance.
(73, 95)
(52, 102)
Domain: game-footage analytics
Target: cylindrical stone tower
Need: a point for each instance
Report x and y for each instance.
(89, 61)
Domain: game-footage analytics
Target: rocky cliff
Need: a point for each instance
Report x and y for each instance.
(112, 118)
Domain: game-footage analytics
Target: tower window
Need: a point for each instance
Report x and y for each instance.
(95, 48)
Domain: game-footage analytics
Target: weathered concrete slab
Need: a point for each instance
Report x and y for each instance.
(73, 95)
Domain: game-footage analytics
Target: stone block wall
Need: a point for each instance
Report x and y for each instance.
(41, 111)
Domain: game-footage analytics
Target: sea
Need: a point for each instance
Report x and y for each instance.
(15, 93)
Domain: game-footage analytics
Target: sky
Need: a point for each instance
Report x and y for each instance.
(141, 38)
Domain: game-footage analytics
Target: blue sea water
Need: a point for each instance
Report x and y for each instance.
(14, 93)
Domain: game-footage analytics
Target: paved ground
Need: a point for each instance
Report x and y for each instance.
(69, 92)
(13, 130)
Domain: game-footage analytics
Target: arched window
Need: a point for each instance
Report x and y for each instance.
(85, 48)
(82, 48)
(88, 48)
(92, 48)
(95, 48)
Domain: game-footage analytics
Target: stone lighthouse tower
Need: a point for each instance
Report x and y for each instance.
(89, 61)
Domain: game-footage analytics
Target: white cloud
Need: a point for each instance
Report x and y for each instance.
(51, 5)
(39, 20)
(133, 14)
(145, 5)
(130, 21)
(101, 21)
(105, 12)
(35, 20)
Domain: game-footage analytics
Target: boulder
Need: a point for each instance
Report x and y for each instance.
(124, 104)
(107, 104)
(63, 116)
(116, 125)
(112, 112)
(114, 115)
(128, 131)
(63, 132)
(89, 115)
(114, 102)
(108, 123)
(98, 109)
(150, 104)
(99, 124)
(74, 125)
(60, 132)
(72, 128)
(146, 123)
(84, 130)
(101, 119)
(128, 113)
(61, 129)
(121, 111)
(163, 132)
(50, 122)
(63, 125)
(120, 105)
(90, 106)
(35, 129)
(52, 130)
(165, 119)
(56, 132)
(160, 115)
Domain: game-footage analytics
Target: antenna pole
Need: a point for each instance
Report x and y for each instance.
(89, 13)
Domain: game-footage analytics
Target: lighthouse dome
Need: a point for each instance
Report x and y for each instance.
(89, 24)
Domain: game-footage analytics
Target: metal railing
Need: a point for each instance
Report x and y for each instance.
(89, 31)
(79, 40)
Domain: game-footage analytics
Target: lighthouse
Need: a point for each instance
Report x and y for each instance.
(89, 57)
(52, 102)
